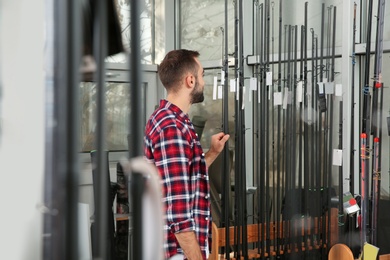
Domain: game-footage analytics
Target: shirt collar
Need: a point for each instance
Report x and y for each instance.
(175, 109)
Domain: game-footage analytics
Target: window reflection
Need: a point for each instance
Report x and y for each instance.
(201, 23)
(117, 116)
(146, 41)
(211, 110)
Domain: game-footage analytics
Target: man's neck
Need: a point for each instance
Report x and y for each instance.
(180, 102)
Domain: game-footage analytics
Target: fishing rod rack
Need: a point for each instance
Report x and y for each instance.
(295, 210)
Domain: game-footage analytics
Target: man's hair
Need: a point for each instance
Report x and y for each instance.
(175, 65)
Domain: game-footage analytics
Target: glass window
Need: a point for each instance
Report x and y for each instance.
(201, 23)
(147, 21)
(117, 114)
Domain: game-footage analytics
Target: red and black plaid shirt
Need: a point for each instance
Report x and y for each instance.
(172, 144)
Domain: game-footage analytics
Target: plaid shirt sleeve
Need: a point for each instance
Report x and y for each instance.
(172, 156)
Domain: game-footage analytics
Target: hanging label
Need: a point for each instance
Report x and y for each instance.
(250, 92)
(232, 85)
(339, 90)
(299, 92)
(238, 88)
(285, 98)
(222, 77)
(337, 157)
(320, 88)
(243, 98)
(253, 84)
(329, 88)
(258, 93)
(309, 110)
(308, 89)
(268, 78)
(215, 88)
(278, 98)
(220, 92)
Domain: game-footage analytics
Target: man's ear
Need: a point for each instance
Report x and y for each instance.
(190, 80)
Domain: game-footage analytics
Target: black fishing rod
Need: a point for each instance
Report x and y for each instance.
(237, 168)
(377, 120)
(260, 174)
(240, 176)
(321, 146)
(225, 199)
(317, 144)
(321, 105)
(278, 197)
(263, 116)
(288, 177)
(256, 119)
(266, 134)
(284, 141)
(295, 195)
(352, 138)
(273, 156)
(306, 154)
(242, 154)
(301, 104)
(365, 136)
(255, 107)
(331, 108)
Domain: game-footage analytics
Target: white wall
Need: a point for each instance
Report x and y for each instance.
(21, 127)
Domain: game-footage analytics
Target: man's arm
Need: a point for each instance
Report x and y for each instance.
(189, 244)
(217, 143)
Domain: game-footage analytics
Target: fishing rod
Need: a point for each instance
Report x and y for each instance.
(331, 108)
(288, 133)
(255, 106)
(260, 174)
(271, 96)
(365, 136)
(377, 131)
(237, 166)
(257, 121)
(225, 199)
(284, 141)
(266, 116)
(296, 198)
(321, 111)
(316, 142)
(240, 176)
(242, 154)
(278, 197)
(306, 128)
(352, 139)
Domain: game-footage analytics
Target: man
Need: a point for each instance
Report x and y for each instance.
(172, 144)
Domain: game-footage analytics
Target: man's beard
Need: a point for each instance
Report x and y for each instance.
(196, 95)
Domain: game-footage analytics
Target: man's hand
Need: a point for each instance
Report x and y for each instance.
(216, 146)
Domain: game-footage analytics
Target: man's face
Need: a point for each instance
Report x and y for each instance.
(197, 95)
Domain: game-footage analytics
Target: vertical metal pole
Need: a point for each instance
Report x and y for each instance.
(136, 127)
(61, 156)
(100, 32)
